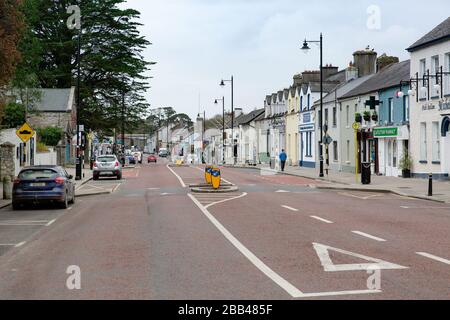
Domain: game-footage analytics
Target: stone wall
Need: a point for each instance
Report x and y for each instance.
(49, 119)
(7, 163)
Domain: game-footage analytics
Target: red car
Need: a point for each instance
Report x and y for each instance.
(151, 158)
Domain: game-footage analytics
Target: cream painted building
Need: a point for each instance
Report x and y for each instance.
(292, 142)
(430, 105)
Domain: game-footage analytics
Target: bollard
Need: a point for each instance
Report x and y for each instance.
(208, 177)
(430, 185)
(7, 188)
(215, 178)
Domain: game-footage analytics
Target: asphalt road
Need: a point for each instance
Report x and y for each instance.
(277, 238)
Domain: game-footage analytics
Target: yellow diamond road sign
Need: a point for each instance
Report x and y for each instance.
(25, 133)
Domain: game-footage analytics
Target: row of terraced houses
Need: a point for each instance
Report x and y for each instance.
(401, 110)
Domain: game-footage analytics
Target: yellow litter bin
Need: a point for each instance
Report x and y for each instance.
(208, 177)
(215, 178)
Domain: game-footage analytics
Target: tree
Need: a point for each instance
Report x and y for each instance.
(112, 64)
(11, 25)
(14, 115)
(50, 136)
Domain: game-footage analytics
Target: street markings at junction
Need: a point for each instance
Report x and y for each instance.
(324, 256)
(433, 257)
(368, 236)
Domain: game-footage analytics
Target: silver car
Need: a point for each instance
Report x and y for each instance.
(108, 166)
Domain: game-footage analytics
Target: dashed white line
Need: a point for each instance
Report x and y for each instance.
(290, 208)
(322, 219)
(50, 222)
(368, 236)
(20, 244)
(433, 257)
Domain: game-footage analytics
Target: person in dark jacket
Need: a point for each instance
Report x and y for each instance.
(283, 158)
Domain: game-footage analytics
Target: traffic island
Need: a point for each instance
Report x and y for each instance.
(210, 189)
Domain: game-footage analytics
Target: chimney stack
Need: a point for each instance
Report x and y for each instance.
(329, 70)
(365, 61)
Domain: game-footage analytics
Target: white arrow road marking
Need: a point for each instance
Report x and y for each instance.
(427, 255)
(368, 236)
(324, 256)
(322, 219)
(290, 208)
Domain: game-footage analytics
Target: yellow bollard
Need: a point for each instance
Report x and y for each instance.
(215, 178)
(208, 170)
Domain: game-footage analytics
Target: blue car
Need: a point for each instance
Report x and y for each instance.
(43, 184)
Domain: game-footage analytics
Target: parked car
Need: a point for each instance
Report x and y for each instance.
(43, 184)
(131, 159)
(151, 158)
(137, 156)
(107, 166)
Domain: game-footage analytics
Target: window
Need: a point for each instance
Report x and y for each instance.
(310, 144)
(356, 109)
(326, 116)
(390, 153)
(422, 67)
(423, 141)
(335, 151)
(301, 103)
(334, 116)
(395, 153)
(405, 108)
(436, 142)
(390, 110)
(347, 108)
(447, 77)
(435, 66)
(309, 101)
(348, 150)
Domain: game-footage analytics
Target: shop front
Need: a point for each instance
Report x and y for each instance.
(392, 145)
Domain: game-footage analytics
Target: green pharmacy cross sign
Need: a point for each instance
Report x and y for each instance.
(372, 102)
(385, 132)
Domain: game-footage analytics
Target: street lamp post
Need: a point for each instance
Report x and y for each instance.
(78, 167)
(223, 127)
(222, 83)
(306, 48)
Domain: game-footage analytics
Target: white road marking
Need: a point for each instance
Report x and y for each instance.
(225, 200)
(176, 175)
(289, 288)
(282, 191)
(50, 223)
(324, 256)
(20, 244)
(358, 197)
(290, 208)
(322, 219)
(368, 236)
(166, 194)
(7, 244)
(280, 281)
(442, 208)
(153, 188)
(22, 224)
(427, 255)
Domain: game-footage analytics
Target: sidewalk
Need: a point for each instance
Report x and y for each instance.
(415, 188)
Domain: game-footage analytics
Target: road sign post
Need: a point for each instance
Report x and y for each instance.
(356, 128)
(25, 133)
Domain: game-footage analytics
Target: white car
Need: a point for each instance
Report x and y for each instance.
(137, 156)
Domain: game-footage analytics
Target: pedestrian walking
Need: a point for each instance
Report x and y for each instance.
(283, 158)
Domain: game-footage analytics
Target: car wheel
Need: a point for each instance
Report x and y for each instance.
(95, 177)
(119, 177)
(16, 206)
(65, 203)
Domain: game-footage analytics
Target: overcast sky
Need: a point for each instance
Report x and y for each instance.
(196, 43)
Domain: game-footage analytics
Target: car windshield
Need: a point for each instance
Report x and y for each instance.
(106, 159)
(38, 174)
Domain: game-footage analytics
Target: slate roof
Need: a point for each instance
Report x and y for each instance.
(386, 78)
(344, 89)
(249, 117)
(438, 34)
(55, 100)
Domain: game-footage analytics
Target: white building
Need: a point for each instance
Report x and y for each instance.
(430, 107)
(248, 138)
